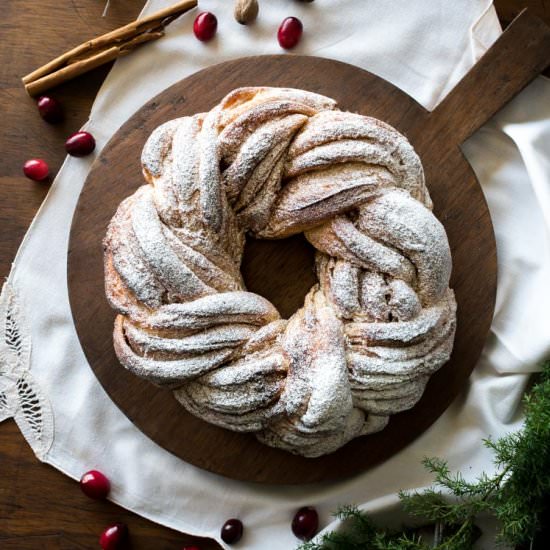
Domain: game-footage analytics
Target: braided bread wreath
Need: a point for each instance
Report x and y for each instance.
(273, 162)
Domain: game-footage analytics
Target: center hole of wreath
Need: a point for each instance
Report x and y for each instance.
(282, 271)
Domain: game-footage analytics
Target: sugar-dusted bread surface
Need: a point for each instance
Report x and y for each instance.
(272, 162)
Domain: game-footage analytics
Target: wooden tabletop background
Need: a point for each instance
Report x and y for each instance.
(39, 506)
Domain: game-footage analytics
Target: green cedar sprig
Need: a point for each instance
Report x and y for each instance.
(518, 494)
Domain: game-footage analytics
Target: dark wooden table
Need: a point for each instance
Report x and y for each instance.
(39, 506)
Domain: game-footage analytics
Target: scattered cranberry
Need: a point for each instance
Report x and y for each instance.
(232, 531)
(95, 485)
(305, 523)
(190, 548)
(80, 144)
(205, 26)
(50, 109)
(290, 32)
(114, 537)
(36, 169)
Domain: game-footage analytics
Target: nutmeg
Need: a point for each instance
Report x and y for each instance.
(246, 11)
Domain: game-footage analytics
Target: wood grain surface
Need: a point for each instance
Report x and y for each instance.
(39, 506)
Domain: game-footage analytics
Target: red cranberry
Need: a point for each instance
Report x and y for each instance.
(80, 144)
(290, 32)
(114, 537)
(95, 485)
(305, 523)
(232, 531)
(50, 109)
(36, 169)
(205, 26)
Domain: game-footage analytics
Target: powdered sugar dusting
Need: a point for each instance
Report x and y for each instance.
(274, 162)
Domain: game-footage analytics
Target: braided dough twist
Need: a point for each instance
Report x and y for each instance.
(273, 162)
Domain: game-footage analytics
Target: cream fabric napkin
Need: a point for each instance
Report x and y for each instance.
(424, 47)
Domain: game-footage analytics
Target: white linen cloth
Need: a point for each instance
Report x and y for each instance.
(423, 47)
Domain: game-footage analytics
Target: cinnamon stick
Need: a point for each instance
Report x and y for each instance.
(104, 48)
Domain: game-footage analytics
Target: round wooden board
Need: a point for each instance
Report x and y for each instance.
(281, 270)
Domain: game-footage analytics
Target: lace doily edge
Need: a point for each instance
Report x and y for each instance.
(21, 397)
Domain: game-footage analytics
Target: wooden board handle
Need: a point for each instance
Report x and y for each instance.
(517, 57)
